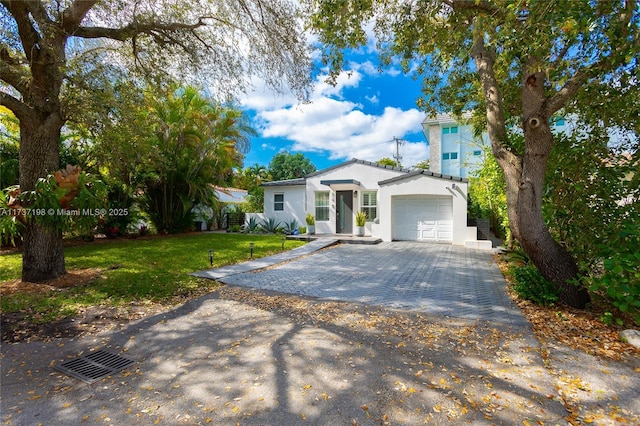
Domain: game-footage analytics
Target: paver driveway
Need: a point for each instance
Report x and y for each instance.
(432, 278)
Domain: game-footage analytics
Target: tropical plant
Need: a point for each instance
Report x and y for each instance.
(252, 226)
(361, 218)
(270, 224)
(290, 227)
(310, 219)
(302, 230)
(194, 144)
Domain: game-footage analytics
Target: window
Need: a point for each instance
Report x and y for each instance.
(454, 129)
(278, 202)
(560, 121)
(445, 130)
(478, 152)
(322, 206)
(369, 204)
(450, 156)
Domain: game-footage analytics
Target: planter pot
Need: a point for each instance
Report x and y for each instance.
(360, 231)
(311, 229)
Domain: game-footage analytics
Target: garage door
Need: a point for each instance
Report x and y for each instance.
(423, 218)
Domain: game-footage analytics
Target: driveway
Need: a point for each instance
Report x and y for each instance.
(431, 278)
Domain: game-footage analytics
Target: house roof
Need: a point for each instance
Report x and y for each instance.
(407, 174)
(230, 195)
(340, 182)
(288, 182)
(446, 119)
(423, 173)
(356, 161)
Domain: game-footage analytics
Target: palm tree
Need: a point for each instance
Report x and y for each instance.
(196, 144)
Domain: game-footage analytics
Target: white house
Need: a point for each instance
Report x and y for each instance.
(400, 204)
(454, 151)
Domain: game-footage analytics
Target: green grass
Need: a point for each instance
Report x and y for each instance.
(143, 270)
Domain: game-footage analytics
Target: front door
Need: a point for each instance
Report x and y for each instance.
(344, 212)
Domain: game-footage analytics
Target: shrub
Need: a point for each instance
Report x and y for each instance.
(310, 219)
(302, 230)
(361, 218)
(530, 285)
(290, 227)
(620, 280)
(252, 226)
(235, 228)
(270, 224)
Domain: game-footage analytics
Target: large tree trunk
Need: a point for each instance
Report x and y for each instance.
(554, 262)
(43, 250)
(525, 174)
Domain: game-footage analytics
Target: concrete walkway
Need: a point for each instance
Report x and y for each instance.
(264, 262)
(431, 278)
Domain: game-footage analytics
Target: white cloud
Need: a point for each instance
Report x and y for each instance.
(339, 127)
(373, 99)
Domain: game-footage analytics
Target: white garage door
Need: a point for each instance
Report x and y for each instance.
(423, 218)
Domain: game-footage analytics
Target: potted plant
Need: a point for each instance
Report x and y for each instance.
(361, 219)
(311, 223)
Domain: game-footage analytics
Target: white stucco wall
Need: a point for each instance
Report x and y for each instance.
(294, 202)
(426, 185)
(367, 175)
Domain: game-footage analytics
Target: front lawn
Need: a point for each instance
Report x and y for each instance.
(153, 270)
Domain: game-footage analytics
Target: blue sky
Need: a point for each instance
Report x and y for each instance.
(358, 118)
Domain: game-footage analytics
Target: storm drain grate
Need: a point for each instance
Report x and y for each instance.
(94, 366)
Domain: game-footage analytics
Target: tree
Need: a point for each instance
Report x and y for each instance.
(515, 64)
(423, 165)
(284, 166)
(192, 143)
(386, 161)
(48, 47)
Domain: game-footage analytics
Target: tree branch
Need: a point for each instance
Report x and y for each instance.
(570, 88)
(38, 12)
(19, 109)
(12, 72)
(74, 14)
(28, 35)
(135, 28)
(495, 114)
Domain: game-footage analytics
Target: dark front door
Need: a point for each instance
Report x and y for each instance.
(344, 212)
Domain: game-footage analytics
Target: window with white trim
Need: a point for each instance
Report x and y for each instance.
(322, 205)
(369, 205)
(278, 202)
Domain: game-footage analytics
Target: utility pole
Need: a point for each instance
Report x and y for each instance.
(397, 155)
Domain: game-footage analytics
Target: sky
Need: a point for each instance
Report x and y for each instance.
(359, 118)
